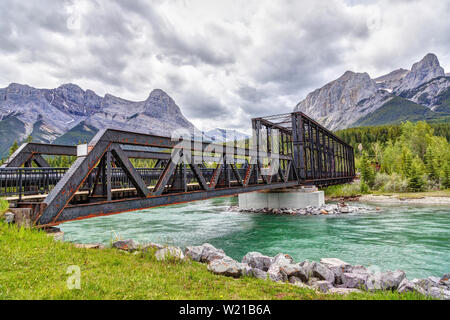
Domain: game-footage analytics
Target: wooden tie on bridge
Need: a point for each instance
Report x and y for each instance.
(287, 151)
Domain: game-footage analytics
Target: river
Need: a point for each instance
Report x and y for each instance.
(415, 239)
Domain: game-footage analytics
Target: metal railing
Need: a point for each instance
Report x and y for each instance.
(40, 181)
(29, 181)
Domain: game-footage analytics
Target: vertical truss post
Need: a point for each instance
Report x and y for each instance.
(108, 176)
(298, 144)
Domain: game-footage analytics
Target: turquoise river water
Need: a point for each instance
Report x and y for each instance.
(415, 239)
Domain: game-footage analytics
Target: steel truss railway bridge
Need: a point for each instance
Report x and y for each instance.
(286, 151)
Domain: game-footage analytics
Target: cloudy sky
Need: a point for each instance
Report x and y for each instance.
(222, 61)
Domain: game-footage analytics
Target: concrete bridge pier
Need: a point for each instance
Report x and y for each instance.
(295, 198)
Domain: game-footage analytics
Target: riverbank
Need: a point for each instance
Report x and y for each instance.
(36, 267)
(441, 197)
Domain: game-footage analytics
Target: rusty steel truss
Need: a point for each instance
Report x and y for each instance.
(285, 151)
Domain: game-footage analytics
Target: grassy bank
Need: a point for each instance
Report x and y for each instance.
(3, 206)
(354, 190)
(33, 266)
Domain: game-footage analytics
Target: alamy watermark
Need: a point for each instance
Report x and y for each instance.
(196, 149)
(74, 280)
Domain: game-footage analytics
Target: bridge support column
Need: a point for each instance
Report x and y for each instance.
(297, 198)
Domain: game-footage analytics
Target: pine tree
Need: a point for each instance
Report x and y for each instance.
(13, 148)
(416, 183)
(406, 162)
(446, 176)
(367, 172)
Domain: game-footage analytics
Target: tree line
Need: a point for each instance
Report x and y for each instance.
(407, 157)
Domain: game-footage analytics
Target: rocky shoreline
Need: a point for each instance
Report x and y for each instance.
(330, 275)
(330, 209)
(397, 199)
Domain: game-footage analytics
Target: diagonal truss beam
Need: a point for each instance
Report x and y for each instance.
(167, 173)
(237, 174)
(199, 176)
(216, 174)
(68, 185)
(123, 161)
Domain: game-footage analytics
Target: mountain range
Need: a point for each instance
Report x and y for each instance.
(68, 114)
(219, 135)
(355, 99)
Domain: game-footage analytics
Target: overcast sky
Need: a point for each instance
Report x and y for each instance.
(222, 61)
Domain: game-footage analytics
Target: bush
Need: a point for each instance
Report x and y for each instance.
(363, 187)
(381, 179)
(345, 190)
(395, 183)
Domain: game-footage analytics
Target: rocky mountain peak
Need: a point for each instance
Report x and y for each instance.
(70, 87)
(352, 96)
(18, 88)
(421, 72)
(331, 103)
(159, 105)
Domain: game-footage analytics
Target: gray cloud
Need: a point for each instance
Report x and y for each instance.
(223, 62)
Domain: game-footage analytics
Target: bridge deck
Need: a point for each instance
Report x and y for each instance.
(287, 151)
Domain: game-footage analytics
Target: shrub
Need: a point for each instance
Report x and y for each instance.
(380, 181)
(363, 187)
(395, 183)
(345, 190)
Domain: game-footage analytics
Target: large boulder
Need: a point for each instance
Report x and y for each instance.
(194, 253)
(9, 217)
(321, 272)
(322, 285)
(409, 286)
(433, 287)
(337, 266)
(229, 267)
(204, 253)
(283, 259)
(307, 266)
(293, 270)
(274, 271)
(169, 253)
(354, 280)
(426, 284)
(358, 269)
(126, 245)
(439, 293)
(385, 280)
(445, 280)
(258, 273)
(257, 260)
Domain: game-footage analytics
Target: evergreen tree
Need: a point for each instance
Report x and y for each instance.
(446, 176)
(13, 148)
(406, 162)
(415, 182)
(367, 171)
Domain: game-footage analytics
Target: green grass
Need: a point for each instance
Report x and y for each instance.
(343, 190)
(4, 206)
(33, 266)
(352, 190)
(415, 195)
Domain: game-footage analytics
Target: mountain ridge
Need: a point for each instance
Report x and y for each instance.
(47, 114)
(342, 102)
